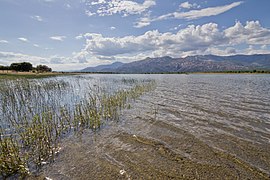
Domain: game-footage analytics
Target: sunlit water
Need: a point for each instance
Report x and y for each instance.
(191, 126)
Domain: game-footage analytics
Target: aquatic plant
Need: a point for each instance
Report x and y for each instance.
(36, 114)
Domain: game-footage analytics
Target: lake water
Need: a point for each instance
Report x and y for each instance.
(198, 126)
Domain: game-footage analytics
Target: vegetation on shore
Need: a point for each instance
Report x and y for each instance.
(221, 72)
(34, 119)
(25, 67)
(33, 75)
(186, 72)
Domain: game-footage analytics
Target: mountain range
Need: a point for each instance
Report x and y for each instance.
(198, 63)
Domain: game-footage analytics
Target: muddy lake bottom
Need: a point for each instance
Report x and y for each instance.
(189, 127)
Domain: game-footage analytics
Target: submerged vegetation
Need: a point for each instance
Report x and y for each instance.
(36, 114)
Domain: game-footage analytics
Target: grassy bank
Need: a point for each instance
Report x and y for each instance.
(12, 75)
(34, 119)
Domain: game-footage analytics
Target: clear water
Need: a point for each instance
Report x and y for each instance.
(202, 126)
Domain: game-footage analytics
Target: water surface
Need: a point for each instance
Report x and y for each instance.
(190, 127)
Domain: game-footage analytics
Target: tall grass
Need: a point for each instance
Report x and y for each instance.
(36, 114)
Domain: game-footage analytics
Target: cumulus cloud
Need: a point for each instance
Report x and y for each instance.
(58, 38)
(89, 13)
(123, 7)
(189, 15)
(81, 56)
(23, 39)
(251, 33)
(201, 39)
(193, 37)
(187, 5)
(37, 18)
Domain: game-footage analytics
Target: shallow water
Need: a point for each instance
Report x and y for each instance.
(190, 127)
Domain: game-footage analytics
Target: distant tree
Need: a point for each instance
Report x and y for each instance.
(23, 67)
(43, 68)
(4, 68)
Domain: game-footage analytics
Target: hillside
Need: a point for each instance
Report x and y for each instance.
(200, 63)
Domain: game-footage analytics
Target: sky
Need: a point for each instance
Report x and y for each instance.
(74, 34)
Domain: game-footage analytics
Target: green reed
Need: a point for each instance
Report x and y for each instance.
(34, 118)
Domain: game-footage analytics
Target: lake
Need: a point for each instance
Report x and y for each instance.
(196, 126)
(204, 126)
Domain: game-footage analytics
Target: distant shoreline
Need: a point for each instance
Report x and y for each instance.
(214, 72)
(31, 75)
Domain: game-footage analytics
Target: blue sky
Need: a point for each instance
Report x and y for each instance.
(71, 35)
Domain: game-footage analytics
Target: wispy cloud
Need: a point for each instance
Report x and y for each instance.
(112, 28)
(4, 41)
(37, 18)
(189, 15)
(211, 11)
(48, 1)
(58, 38)
(23, 39)
(68, 6)
(79, 37)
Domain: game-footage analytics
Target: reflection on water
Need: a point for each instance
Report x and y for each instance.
(192, 126)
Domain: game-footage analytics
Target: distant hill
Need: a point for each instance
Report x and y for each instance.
(199, 63)
(103, 68)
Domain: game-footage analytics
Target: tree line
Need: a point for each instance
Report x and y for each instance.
(26, 67)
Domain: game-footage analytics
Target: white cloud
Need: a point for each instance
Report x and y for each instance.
(143, 21)
(37, 18)
(67, 63)
(251, 33)
(123, 7)
(81, 56)
(7, 58)
(48, 1)
(79, 37)
(23, 39)
(264, 46)
(59, 60)
(89, 13)
(211, 11)
(58, 38)
(36, 45)
(48, 48)
(189, 15)
(4, 41)
(187, 5)
(68, 6)
(192, 40)
(112, 28)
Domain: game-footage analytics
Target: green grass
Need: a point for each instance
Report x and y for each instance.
(32, 76)
(34, 120)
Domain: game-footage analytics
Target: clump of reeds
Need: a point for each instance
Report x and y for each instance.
(36, 114)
